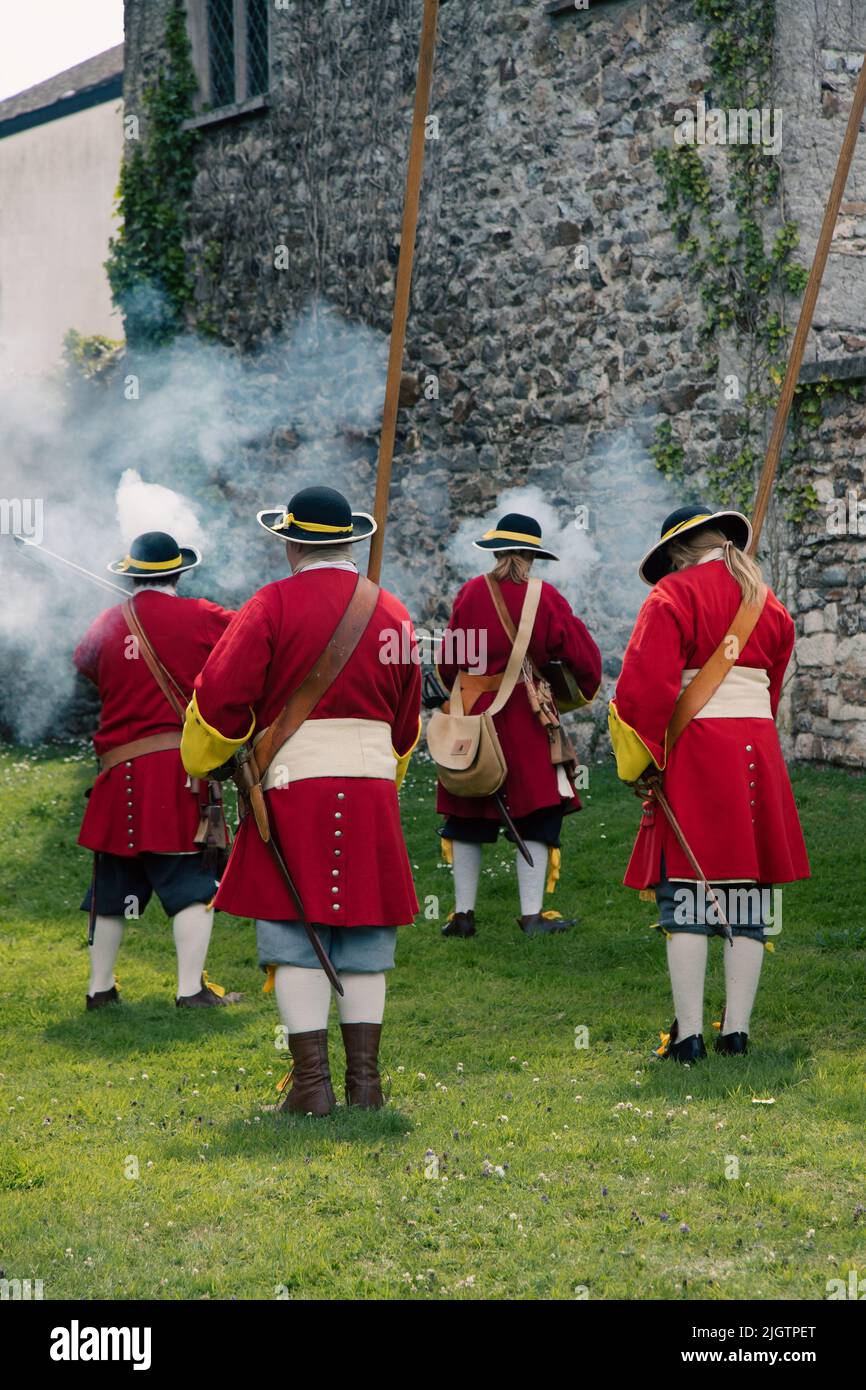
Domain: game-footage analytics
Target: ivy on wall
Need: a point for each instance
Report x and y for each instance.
(146, 267)
(741, 281)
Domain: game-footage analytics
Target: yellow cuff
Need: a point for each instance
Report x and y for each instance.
(631, 753)
(447, 848)
(203, 748)
(403, 759)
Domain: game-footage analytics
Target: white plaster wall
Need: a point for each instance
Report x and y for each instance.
(57, 185)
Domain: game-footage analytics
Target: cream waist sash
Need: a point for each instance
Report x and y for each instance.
(743, 694)
(334, 748)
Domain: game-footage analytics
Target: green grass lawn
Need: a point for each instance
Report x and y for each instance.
(509, 1163)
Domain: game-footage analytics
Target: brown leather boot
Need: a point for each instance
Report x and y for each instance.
(311, 1092)
(363, 1083)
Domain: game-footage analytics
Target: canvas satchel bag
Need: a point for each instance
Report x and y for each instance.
(466, 747)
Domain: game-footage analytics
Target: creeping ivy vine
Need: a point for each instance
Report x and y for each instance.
(146, 267)
(741, 281)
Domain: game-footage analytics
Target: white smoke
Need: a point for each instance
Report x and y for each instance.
(599, 516)
(566, 536)
(142, 506)
(104, 464)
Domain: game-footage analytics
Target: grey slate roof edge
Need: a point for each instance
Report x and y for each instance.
(96, 79)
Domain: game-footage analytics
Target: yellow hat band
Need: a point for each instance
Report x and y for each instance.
(150, 564)
(681, 525)
(511, 536)
(291, 520)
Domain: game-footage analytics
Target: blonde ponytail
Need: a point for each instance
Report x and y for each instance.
(512, 564)
(745, 570)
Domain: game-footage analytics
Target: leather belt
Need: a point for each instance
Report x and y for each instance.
(125, 752)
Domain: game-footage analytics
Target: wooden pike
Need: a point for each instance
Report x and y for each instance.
(404, 283)
(807, 309)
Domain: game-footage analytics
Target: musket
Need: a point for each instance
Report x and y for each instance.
(518, 840)
(651, 786)
(70, 564)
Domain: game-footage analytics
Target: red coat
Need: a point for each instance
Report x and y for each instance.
(725, 778)
(557, 635)
(147, 804)
(267, 651)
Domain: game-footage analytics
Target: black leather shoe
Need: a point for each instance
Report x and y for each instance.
(545, 923)
(734, 1044)
(205, 999)
(102, 997)
(460, 924)
(689, 1049)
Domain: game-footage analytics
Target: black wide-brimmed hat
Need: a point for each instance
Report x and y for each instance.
(154, 555)
(515, 532)
(684, 521)
(318, 516)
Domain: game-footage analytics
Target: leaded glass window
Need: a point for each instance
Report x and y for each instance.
(221, 51)
(230, 40)
(257, 47)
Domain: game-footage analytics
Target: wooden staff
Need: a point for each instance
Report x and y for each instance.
(795, 361)
(404, 283)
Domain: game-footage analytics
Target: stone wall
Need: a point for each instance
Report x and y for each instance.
(550, 370)
(819, 52)
(828, 684)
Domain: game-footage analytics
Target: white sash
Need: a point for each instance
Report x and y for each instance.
(743, 694)
(334, 748)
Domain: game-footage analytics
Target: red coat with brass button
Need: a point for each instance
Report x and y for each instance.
(725, 778)
(148, 803)
(336, 833)
(557, 635)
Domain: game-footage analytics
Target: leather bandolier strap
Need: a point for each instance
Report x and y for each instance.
(166, 682)
(705, 684)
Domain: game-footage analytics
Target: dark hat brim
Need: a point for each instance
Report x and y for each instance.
(538, 551)
(654, 565)
(132, 569)
(363, 526)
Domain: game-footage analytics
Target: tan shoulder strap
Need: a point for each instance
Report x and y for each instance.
(504, 615)
(500, 605)
(714, 670)
(518, 653)
(324, 671)
(164, 679)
